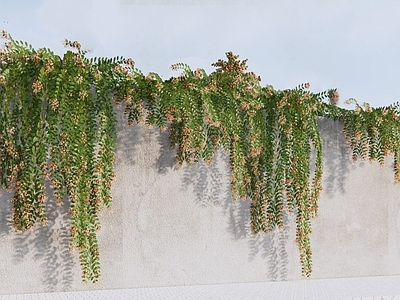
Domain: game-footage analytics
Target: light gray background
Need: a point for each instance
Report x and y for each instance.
(349, 45)
(179, 226)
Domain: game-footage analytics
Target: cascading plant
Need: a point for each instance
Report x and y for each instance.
(57, 124)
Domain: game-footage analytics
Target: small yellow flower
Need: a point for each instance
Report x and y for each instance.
(149, 76)
(334, 98)
(49, 67)
(37, 87)
(128, 100)
(282, 119)
(79, 79)
(54, 104)
(36, 57)
(159, 86)
(97, 75)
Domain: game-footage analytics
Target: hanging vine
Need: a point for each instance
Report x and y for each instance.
(57, 124)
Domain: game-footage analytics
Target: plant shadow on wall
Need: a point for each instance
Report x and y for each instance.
(58, 123)
(127, 139)
(212, 189)
(273, 248)
(166, 158)
(5, 213)
(337, 156)
(49, 245)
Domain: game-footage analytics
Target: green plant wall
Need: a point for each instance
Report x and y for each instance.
(58, 125)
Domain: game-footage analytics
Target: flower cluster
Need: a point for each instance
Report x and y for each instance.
(37, 86)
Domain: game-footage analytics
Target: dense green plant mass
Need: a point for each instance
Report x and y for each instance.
(57, 124)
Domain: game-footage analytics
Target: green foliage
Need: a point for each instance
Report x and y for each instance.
(57, 124)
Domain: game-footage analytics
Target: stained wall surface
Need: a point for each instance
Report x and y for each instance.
(179, 226)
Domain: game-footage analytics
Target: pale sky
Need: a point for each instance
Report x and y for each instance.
(351, 45)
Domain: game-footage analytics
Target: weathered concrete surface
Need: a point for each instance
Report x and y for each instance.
(171, 226)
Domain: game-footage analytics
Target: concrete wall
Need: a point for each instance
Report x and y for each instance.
(171, 226)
